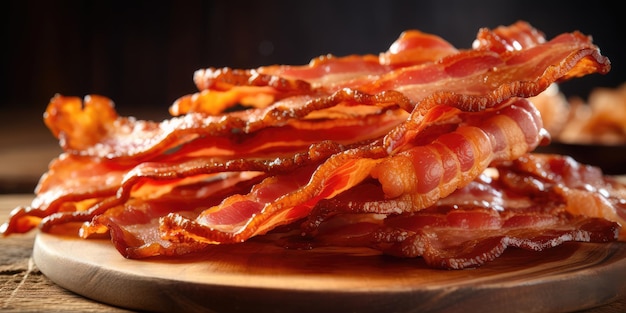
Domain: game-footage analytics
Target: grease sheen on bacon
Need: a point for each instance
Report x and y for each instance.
(350, 151)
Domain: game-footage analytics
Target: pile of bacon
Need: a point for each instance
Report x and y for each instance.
(601, 120)
(422, 151)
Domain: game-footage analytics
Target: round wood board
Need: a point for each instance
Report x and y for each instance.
(260, 277)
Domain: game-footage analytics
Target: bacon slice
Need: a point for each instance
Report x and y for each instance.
(476, 223)
(224, 88)
(121, 137)
(456, 238)
(458, 232)
(492, 78)
(584, 188)
(133, 226)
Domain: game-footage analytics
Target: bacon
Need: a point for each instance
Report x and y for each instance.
(225, 87)
(276, 201)
(130, 138)
(426, 197)
(413, 180)
(455, 243)
(269, 143)
(471, 80)
(459, 238)
(458, 232)
(583, 187)
(221, 89)
(148, 180)
(456, 158)
(472, 226)
(410, 128)
(133, 226)
(493, 78)
(278, 147)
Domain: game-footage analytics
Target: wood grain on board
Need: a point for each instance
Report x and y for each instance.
(267, 278)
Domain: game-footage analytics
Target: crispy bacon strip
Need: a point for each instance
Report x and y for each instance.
(468, 239)
(278, 146)
(127, 138)
(460, 231)
(223, 88)
(459, 237)
(276, 201)
(413, 182)
(493, 78)
(584, 188)
(419, 177)
(517, 36)
(471, 234)
(267, 143)
(133, 226)
(230, 87)
(422, 175)
(74, 201)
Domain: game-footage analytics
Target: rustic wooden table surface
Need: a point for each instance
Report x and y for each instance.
(24, 155)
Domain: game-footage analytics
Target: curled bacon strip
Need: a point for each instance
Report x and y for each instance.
(494, 78)
(224, 88)
(127, 138)
(459, 237)
(584, 188)
(413, 180)
(475, 224)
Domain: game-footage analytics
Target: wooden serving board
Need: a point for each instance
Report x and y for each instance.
(259, 277)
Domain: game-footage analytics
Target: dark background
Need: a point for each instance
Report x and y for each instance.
(142, 54)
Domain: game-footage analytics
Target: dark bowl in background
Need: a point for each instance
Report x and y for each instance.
(610, 158)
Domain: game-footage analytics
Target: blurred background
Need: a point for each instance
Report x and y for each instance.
(142, 54)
